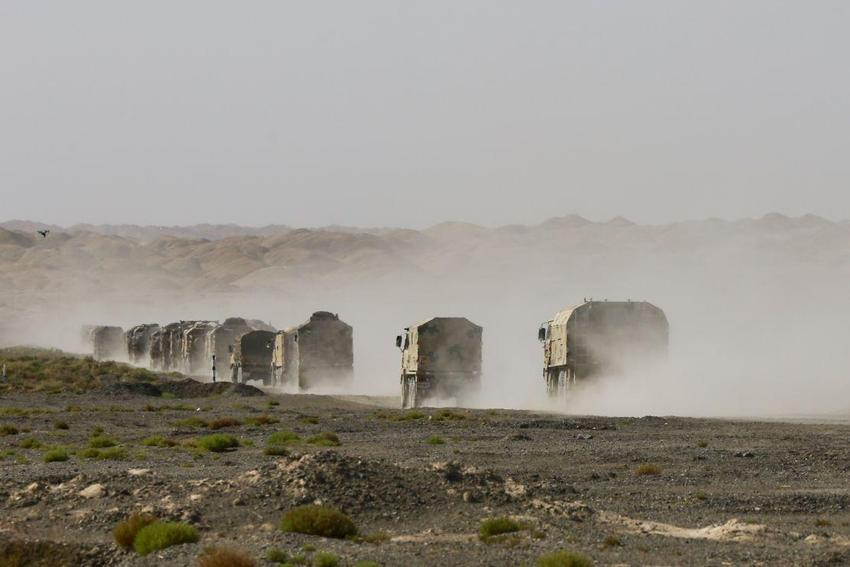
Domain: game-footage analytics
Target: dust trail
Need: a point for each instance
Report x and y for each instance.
(758, 318)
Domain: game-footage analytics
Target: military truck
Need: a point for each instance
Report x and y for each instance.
(194, 348)
(440, 358)
(600, 338)
(108, 343)
(251, 358)
(221, 340)
(317, 352)
(139, 343)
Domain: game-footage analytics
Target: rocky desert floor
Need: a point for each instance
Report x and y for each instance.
(418, 484)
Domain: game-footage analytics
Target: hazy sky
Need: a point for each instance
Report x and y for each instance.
(411, 113)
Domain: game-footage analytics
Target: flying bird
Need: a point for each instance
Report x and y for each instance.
(44, 233)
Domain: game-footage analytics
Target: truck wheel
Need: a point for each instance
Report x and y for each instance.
(414, 393)
(551, 384)
(234, 374)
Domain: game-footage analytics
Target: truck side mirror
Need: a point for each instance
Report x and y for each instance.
(398, 341)
(230, 348)
(541, 334)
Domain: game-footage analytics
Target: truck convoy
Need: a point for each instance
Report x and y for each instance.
(600, 338)
(440, 358)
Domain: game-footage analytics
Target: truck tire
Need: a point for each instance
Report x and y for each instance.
(408, 392)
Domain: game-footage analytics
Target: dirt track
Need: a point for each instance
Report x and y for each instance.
(723, 492)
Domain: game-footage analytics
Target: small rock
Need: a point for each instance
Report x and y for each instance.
(471, 496)
(745, 454)
(138, 472)
(93, 491)
(584, 436)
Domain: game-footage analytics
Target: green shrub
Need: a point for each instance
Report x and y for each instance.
(29, 443)
(283, 438)
(108, 454)
(217, 443)
(125, 532)
(96, 430)
(160, 535)
(56, 456)
(193, 421)
(277, 556)
(225, 557)
(60, 425)
(497, 526)
(158, 441)
(276, 451)
(564, 558)
(324, 439)
(309, 419)
(648, 470)
(319, 521)
(8, 430)
(435, 440)
(611, 541)
(101, 442)
(325, 559)
(223, 422)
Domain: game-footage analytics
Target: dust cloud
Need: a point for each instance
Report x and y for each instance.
(758, 315)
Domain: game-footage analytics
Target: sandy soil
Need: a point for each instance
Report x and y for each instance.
(722, 492)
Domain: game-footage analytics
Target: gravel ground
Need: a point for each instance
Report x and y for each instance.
(623, 491)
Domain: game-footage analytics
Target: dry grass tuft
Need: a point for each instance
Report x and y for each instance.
(224, 422)
(648, 469)
(225, 557)
(125, 532)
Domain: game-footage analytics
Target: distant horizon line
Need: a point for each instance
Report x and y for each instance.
(617, 219)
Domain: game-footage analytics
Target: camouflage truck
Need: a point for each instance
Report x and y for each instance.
(108, 343)
(317, 352)
(600, 338)
(440, 358)
(251, 358)
(139, 339)
(193, 348)
(221, 340)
